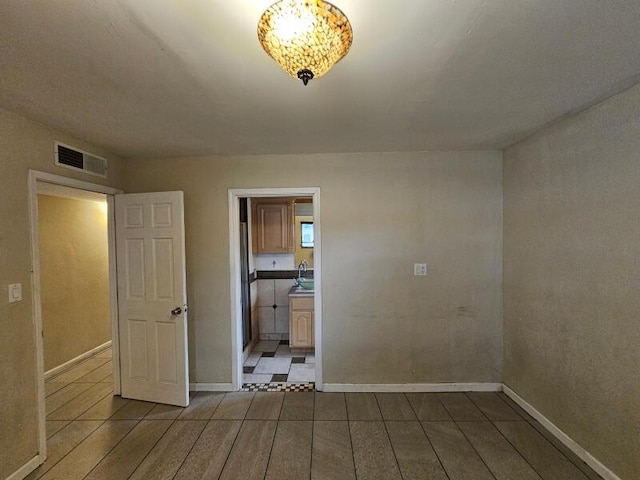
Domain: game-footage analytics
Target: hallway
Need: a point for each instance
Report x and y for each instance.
(247, 435)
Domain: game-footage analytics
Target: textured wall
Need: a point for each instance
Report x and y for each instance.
(26, 145)
(571, 277)
(74, 277)
(380, 214)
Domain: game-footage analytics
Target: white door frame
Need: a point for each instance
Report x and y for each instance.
(234, 264)
(34, 178)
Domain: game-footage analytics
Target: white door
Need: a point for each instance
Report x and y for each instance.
(152, 298)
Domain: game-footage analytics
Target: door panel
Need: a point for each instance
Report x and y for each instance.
(151, 285)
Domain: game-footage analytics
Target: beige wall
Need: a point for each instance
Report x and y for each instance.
(26, 145)
(74, 277)
(572, 272)
(380, 214)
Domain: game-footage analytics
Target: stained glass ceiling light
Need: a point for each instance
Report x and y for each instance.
(305, 37)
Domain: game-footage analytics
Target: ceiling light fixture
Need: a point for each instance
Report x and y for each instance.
(305, 37)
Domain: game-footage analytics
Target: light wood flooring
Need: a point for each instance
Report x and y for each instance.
(278, 436)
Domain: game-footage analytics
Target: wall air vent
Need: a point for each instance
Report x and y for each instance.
(71, 157)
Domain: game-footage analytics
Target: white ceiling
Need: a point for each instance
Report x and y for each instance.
(188, 77)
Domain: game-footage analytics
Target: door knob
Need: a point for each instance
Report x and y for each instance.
(176, 311)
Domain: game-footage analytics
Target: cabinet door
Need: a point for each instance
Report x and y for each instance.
(301, 333)
(272, 228)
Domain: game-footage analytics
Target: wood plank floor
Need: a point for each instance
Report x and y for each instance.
(310, 435)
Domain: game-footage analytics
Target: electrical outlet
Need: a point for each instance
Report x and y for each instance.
(419, 269)
(15, 292)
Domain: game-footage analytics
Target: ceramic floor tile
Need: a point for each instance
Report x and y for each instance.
(265, 406)
(291, 453)
(273, 365)
(127, 455)
(302, 373)
(283, 351)
(99, 374)
(164, 412)
(82, 459)
(372, 452)
(459, 459)
(330, 406)
(250, 454)
(502, 459)
(395, 406)
(492, 406)
(548, 462)
(297, 406)
(202, 406)
(266, 346)
(62, 443)
(81, 369)
(362, 406)
(514, 406)
(332, 457)
(167, 455)
(65, 395)
(52, 387)
(252, 359)
(256, 378)
(209, 454)
(415, 455)
(133, 410)
(461, 408)
(105, 408)
(234, 406)
(81, 403)
(428, 407)
(310, 358)
(571, 456)
(54, 426)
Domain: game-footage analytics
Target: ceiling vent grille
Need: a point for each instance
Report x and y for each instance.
(70, 157)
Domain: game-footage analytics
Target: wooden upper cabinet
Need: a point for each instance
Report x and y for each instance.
(272, 223)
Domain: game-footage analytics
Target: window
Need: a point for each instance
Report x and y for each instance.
(306, 234)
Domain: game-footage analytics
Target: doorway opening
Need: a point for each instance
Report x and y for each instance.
(74, 290)
(276, 318)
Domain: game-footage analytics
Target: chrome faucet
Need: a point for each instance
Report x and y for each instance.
(302, 268)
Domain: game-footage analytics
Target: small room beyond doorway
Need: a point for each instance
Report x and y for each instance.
(277, 287)
(73, 248)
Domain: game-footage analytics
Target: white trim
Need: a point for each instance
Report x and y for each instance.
(570, 443)
(210, 387)
(412, 387)
(26, 469)
(36, 300)
(234, 268)
(74, 361)
(113, 294)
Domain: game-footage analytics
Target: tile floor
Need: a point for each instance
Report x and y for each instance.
(279, 436)
(271, 362)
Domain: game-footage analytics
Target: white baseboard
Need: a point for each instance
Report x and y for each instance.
(571, 444)
(412, 387)
(74, 361)
(210, 387)
(26, 469)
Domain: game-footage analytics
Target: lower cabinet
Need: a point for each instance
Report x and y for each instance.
(301, 331)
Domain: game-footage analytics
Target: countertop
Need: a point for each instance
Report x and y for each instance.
(297, 291)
